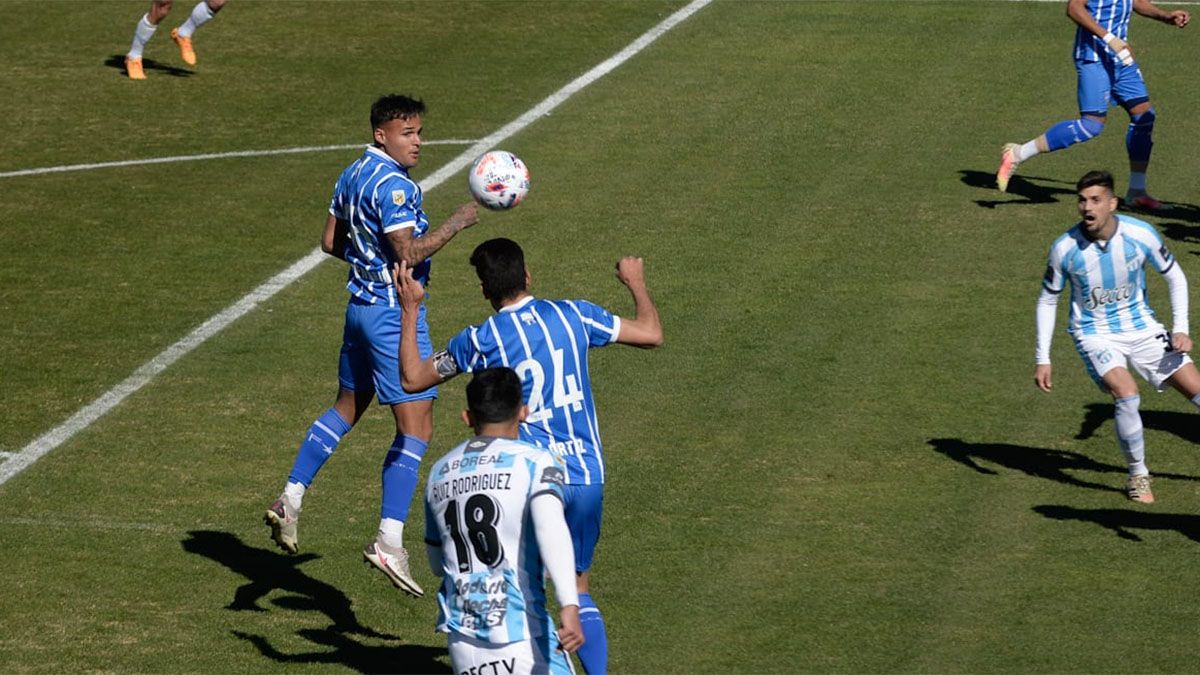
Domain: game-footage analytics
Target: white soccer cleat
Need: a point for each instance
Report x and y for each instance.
(1138, 489)
(394, 563)
(1008, 165)
(283, 521)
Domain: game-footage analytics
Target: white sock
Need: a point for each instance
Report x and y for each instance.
(141, 35)
(1137, 181)
(294, 493)
(201, 13)
(1129, 434)
(391, 532)
(1027, 151)
(1196, 400)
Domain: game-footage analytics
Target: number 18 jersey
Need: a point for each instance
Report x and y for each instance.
(477, 513)
(546, 342)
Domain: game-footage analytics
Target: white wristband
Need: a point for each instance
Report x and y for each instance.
(1108, 38)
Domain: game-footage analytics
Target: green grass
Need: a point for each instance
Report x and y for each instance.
(836, 463)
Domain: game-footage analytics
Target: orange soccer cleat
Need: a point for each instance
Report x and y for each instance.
(185, 47)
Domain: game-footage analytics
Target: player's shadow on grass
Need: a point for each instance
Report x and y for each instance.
(356, 655)
(1123, 521)
(1023, 187)
(267, 571)
(1183, 425)
(118, 61)
(1037, 462)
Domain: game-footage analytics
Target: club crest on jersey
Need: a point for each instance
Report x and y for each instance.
(399, 198)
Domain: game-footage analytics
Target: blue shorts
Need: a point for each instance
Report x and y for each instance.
(1102, 83)
(584, 505)
(370, 358)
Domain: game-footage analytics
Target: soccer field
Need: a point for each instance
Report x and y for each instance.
(837, 462)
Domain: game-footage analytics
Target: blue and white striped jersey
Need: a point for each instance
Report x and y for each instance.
(1108, 282)
(477, 512)
(376, 196)
(1113, 16)
(546, 342)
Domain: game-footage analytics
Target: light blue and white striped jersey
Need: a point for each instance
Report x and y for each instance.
(1113, 16)
(477, 512)
(1108, 283)
(376, 196)
(546, 342)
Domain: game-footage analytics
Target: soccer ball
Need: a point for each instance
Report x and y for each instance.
(498, 180)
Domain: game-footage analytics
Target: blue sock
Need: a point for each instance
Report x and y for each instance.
(1070, 132)
(319, 443)
(1138, 140)
(594, 652)
(400, 475)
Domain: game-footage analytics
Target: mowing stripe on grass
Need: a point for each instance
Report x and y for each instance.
(107, 401)
(208, 155)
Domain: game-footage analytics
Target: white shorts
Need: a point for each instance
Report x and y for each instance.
(1148, 350)
(524, 657)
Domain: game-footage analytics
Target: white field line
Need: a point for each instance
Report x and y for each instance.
(38, 448)
(206, 156)
(84, 523)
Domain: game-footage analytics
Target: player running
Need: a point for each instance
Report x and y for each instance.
(494, 527)
(1103, 258)
(375, 219)
(1107, 73)
(546, 342)
(201, 14)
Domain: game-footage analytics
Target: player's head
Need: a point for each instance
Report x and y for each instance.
(396, 126)
(500, 264)
(495, 399)
(1097, 201)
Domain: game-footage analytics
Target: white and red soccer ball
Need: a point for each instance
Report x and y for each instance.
(498, 180)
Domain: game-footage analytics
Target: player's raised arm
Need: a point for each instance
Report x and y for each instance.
(644, 329)
(333, 239)
(416, 374)
(1178, 18)
(414, 250)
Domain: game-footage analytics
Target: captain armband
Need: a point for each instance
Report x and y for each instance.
(445, 365)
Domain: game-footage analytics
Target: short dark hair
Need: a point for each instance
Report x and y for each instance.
(395, 107)
(500, 264)
(1098, 177)
(494, 395)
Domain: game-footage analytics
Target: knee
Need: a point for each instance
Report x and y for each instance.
(1091, 125)
(1143, 120)
(215, 5)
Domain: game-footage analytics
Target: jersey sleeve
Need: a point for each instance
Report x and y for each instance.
(398, 201)
(1160, 256)
(432, 536)
(1055, 278)
(602, 326)
(549, 475)
(464, 350)
(337, 204)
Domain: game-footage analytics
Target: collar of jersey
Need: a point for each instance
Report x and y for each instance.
(384, 156)
(518, 304)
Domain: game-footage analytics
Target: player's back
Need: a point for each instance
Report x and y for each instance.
(477, 511)
(546, 342)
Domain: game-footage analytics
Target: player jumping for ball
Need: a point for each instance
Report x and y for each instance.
(1103, 258)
